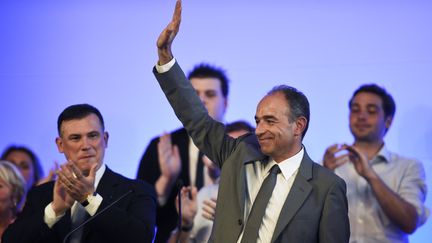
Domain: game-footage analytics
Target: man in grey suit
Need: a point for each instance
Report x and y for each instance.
(306, 202)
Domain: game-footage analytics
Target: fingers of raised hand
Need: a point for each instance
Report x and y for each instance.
(210, 203)
(209, 208)
(193, 193)
(176, 19)
(186, 191)
(165, 139)
(167, 36)
(163, 146)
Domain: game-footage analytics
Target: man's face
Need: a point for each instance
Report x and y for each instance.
(210, 92)
(83, 142)
(277, 137)
(367, 121)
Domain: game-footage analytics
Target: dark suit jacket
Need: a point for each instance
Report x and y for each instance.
(167, 217)
(315, 210)
(132, 219)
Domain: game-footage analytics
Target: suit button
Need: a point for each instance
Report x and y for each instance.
(240, 222)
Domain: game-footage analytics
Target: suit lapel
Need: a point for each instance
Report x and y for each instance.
(105, 189)
(241, 187)
(298, 194)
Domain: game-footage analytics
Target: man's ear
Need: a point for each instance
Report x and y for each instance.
(388, 121)
(300, 123)
(106, 136)
(59, 142)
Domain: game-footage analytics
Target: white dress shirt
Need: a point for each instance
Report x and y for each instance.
(193, 163)
(255, 176)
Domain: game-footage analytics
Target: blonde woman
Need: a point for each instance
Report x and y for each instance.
(12, 191)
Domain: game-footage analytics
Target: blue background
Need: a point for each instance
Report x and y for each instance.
(57, 53)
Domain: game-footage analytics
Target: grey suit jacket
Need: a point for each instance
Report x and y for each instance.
(316, 208)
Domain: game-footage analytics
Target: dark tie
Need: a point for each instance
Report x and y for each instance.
(199, 178)
(259, 206)
(78, 217)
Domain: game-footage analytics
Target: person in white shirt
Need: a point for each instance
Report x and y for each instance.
(386, 192)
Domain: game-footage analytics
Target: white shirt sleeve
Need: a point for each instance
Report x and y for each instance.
(94, 203)
(166, 67)
(50, 217)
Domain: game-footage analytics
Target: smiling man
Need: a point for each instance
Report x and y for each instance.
(270, 190)
(85, 187)
(386, 192)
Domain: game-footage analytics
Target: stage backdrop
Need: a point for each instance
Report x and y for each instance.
(56, 53)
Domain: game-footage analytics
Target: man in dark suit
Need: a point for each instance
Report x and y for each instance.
(85, 187)
(179, 160)
(306, 202)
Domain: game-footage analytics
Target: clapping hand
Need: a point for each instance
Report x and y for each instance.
(331, 160)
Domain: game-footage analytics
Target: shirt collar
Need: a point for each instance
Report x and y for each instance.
(289, 166)
(383, 155)
(99, 174)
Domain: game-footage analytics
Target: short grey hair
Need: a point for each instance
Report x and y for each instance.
(10, 174)
(297, 103)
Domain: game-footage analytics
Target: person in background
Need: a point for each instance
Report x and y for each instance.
(27, 162)
(161, 169)
(12, 191)
(85, 187)
(198, 209)
(386, 192)
(29, 165)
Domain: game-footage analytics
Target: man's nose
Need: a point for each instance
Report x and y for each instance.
(362, 114)
(85, 144)
(202, 98)
(259, 129)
